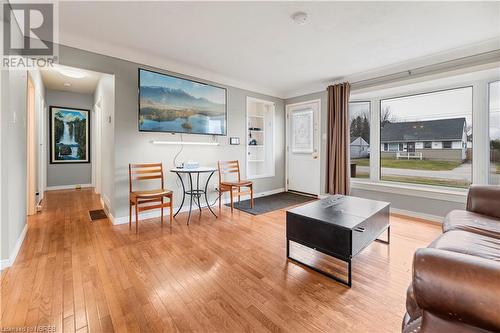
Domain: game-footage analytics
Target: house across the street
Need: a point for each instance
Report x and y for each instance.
(359, 148)
(443, 139)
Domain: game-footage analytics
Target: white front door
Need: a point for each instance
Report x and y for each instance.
(303, 147)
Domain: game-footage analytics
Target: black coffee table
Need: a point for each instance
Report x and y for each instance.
(338, 226)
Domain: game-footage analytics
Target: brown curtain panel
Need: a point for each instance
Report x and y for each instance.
(337, 169)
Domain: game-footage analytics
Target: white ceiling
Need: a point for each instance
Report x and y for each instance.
(55, 80)
(256, 45)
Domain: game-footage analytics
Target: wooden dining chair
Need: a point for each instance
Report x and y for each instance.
(148, 199)
(234, 186)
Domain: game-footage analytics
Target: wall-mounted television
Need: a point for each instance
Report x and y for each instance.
(172, 104)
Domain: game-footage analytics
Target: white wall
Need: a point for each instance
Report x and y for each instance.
(40, 142)
(104, 103)
(13, 207)
(13, 157)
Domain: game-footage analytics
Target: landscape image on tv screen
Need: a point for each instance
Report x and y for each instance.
(171, 104)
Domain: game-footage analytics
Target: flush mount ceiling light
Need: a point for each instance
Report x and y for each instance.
(300, 18)
(71, 72)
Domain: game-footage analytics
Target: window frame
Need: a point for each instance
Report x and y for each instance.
(420, 92)
(488, 108)
(479, 81)
(370, 125)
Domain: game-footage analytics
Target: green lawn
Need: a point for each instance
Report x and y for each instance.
(498, 168)
(412, 164)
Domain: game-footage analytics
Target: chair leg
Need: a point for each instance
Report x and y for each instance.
(136, 218)
(161, 213)
(130, 215)
(231, 194)
(251, 196)
(171, 210)
(220, 198)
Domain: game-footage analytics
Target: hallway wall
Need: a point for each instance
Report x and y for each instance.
(68, 174)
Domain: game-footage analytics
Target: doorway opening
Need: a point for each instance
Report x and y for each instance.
(303, 145)
(69, 116)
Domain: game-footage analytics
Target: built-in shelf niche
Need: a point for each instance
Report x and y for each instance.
(260, 138)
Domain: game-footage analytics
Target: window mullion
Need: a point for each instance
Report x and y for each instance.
(375, 140)
(480, 133)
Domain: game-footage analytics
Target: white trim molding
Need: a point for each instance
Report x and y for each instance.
(5, 263)
(418, 215)
(429, 192)
(156, 213)
(67, 187)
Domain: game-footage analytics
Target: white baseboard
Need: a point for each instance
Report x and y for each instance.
(433, 218)
(12, 258)
(156, 213)
(67, 187)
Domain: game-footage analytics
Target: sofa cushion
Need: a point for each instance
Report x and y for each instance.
(472, 222)
(469, 243)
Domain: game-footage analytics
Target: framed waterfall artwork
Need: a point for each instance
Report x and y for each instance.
(69, 132)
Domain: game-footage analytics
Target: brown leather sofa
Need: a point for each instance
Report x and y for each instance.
(456, 280)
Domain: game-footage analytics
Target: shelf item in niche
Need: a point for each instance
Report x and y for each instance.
(234, 141)
(252, 142)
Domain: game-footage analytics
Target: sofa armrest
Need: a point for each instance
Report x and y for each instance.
(458, 287)
(484, 199)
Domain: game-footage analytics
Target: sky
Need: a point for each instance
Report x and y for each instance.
(436, 105)
(70, 115)
(213, 94)
(359, 108)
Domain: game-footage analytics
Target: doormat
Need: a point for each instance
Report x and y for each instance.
(98, 214)
(271, 202)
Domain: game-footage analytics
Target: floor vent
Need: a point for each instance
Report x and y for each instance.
(97, 214)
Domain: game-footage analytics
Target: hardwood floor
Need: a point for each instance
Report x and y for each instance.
(228, 274)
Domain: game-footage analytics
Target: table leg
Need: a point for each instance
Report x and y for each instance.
(206, 195)
(287, 248)
(183, 194)
(198, 195)
(191, 197)
(388, 237)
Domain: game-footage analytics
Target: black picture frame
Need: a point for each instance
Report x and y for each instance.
(139, 69)
(52, 109)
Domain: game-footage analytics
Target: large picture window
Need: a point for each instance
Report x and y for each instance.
(359, 113)
(427, 138)
(494, 106)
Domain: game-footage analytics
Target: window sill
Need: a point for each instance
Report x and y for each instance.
(422, 191)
